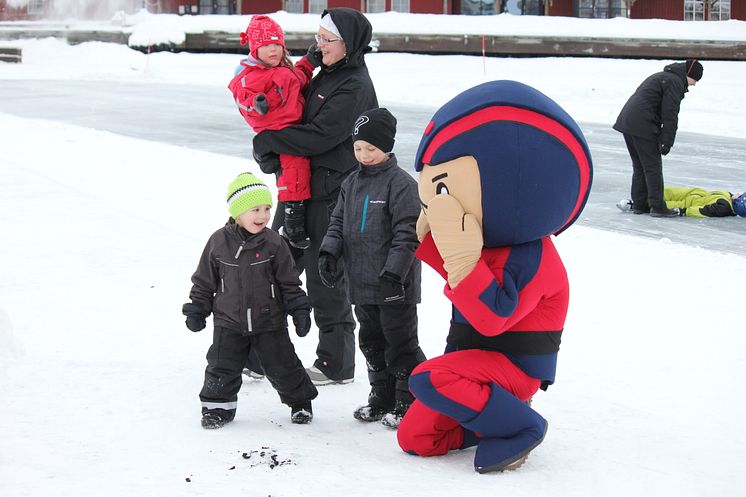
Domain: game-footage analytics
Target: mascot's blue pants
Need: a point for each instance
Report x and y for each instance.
(472, 397)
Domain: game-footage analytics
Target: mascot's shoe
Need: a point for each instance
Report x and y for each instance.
(509, 430)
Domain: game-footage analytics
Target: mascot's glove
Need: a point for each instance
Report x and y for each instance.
(302, 322)
(422, 227)
(665, 148)
(327, 269)
(196, 317)
(313, 56)
(457, 235)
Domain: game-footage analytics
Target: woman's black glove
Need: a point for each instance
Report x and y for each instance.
(269, 163)
(196, 316)
(313, 56)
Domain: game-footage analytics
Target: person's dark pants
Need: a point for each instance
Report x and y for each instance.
(388, 340)
(226, 359)
(332, 311)
(647, 173)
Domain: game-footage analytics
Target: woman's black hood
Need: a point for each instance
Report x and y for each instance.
(356, 32)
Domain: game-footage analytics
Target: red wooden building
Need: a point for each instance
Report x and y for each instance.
(689, 10)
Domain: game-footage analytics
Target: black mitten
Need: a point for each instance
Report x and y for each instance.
(328, 269)
(269, 163)
(665, 148)
(196, 317)
(302, 322)
(391, 287)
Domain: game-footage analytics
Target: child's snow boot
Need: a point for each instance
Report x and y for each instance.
(380, 398)
(295, 225)
(212, 420)
(301, 414)
(403, 399)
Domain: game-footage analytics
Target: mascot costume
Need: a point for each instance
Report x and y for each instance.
(502, 167)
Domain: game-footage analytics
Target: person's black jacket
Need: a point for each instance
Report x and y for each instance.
(248, 282)
(652, 112)
(373, 229)
(334, 100)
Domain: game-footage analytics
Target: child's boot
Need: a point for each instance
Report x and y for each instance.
(380, 399)
(212, 420)
(301, 414)
(295, 225)
(403, 399)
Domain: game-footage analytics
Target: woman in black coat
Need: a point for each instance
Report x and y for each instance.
(649, 121)
(336, 96)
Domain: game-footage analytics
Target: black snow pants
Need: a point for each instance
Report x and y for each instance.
(226, 359)
(647, 173)
(388, 340)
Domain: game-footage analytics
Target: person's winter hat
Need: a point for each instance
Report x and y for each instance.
(694, 69)
(739, 205)
(328, 24)
(246, 192)
(262, 31)
(377, 127)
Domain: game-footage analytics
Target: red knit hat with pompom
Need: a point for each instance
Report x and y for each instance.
(262, 31)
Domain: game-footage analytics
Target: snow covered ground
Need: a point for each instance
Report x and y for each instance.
(100, 234)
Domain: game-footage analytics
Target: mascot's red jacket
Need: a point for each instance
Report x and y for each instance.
(502, 167)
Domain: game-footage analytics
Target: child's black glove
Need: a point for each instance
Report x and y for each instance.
(196, 317)
(328, 269)
(261, 106)
(302, 322)
(391, 287)
(313, 56)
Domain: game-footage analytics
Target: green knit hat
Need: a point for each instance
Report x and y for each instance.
(246, 192)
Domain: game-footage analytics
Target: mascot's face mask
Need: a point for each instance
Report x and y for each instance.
(512, 157)
(458, 178)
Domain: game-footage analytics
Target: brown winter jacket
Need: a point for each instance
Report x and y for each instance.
(248, 282)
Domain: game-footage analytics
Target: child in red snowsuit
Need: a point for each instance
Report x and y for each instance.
(268, 91)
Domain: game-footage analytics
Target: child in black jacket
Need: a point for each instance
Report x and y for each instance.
(373, 229)
(247, 279)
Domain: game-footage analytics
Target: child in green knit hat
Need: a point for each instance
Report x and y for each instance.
(246, 278)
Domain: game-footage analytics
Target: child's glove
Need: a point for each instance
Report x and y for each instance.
(261, 106)
(196, 317)
(391, 287)
(457, 235)
(328, 269)
(313, 56)
(302, 322)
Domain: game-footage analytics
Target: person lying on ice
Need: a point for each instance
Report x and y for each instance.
(502, 167)
(697, 202)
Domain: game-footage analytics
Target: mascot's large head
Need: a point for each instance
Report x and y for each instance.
(512, 157)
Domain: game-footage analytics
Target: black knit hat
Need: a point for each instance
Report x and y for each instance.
(694, 69)
(377, 127)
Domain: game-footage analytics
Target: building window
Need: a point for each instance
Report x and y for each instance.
(294, 6)
(694, 10)
(400, 5)
(478, 7)
(719, 10)
(531, 7)
(602, 9)
(376, 6)
(316, 6)
(35, 7)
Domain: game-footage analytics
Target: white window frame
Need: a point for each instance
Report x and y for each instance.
(400, 5)
(719, 10)
(375, 6)
(36, 7)
(316, 6)
(694, 10)
(293, 6)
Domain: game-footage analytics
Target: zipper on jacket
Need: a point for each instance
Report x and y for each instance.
(365, 214)
(272, 287)
(248, 319)
(222, 284)
(240, 248)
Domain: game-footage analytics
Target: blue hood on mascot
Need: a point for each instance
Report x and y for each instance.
(534, 163)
